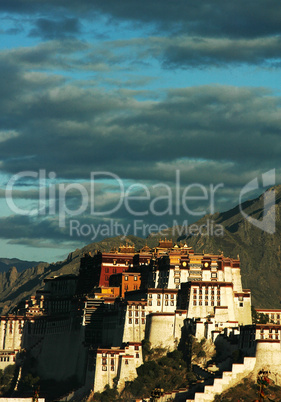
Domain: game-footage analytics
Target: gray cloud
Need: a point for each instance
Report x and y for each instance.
(219, 18)
(54, 29)
(77, 130)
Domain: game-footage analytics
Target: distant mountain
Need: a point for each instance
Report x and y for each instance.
(259, 252)
(21, 265)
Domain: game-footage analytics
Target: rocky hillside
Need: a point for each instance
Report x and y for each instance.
(21, 265)
(259, 252)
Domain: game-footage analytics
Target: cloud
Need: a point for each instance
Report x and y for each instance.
(219, 18)
(75, 130)
(54, 29)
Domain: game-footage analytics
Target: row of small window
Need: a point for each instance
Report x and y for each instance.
(206, 291)
(126, 287)
(104, 368)
(136, 307)
(113, 270)
(115, 262)
(270, 330)
(269, 337)
(273, 315)
(159, 303)
(206, 303)
(136, 314)
(136, 321)
(206, 297)
(6, 359)
(167, 296)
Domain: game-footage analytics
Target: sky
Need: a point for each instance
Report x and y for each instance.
(125, 117)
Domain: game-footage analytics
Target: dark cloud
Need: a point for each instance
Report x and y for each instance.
(219, 18)
(207, 52)
(75, 130)
(54, 29)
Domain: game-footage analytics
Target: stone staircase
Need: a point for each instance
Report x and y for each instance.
(211, 387)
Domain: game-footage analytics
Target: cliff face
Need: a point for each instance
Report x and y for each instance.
(259, 252)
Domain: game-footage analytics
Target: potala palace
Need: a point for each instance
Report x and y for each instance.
(92, 325)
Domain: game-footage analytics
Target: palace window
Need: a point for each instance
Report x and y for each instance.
(137, 347)
(206, 303)
(166, 296)
(136, 313)
(114, 262)
(104, 368)
(126, 361)
(200, 303)
(126, 278)
(130, 321)
(212, 303)
(194, 302)
(103, 361)
(112, 368)
(143, 321)
(137, 355)
(150, 303)
(135, 278)
(106, 270)
(158, 296)
(240, 304)
(130, 313)
(150, 296)
(136, 321)
(171, 303)
(158, 303)
(166, 303)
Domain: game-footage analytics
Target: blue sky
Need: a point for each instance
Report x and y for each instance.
(140, 90)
